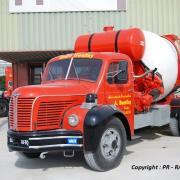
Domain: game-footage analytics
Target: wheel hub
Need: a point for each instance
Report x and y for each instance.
(110, 143)
(114, 144)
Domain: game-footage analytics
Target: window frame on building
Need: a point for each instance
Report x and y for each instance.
(39, 2)
(122, 5)
(18, 2)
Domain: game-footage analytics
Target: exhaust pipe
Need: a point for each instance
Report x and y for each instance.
(43, 155)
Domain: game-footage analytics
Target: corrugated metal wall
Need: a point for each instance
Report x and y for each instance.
(58, 31)
(159, 16)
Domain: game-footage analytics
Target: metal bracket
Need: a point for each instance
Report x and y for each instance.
(68, 155)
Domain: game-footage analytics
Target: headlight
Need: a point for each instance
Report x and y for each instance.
(73, 120)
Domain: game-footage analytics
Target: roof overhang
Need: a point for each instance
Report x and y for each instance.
(16, 56)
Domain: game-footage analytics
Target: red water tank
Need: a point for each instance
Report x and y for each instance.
(127, 41)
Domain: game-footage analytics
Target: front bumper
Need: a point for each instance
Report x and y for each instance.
(41, 141)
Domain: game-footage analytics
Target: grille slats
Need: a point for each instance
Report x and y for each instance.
(24, 112)
(24, 106)
(50, 113)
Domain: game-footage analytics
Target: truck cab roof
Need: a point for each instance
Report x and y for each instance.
(98, 55)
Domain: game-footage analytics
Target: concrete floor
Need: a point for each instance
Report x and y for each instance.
(156, 147)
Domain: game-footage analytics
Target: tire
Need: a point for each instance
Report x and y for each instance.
(108, 154)
(31, 155)
(4, 108)
(174, 126)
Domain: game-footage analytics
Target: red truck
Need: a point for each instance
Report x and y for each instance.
(94, 99)
(6, 91)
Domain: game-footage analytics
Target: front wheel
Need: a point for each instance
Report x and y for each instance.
(110, 149)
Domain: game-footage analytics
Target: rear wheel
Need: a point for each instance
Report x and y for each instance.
(31, 155)
(4, 108)
(110, 149)
(175, 126)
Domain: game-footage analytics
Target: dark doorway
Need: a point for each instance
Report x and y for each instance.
(35, 71)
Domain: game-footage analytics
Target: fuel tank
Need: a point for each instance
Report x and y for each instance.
(127, 41)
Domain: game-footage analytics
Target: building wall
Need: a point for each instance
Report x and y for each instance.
(20, 74)
(58, 31)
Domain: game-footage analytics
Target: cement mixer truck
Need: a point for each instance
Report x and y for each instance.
(93, 100)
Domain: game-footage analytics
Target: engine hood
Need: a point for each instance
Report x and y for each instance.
(63, 88)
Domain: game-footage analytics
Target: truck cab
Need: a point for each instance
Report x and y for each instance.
(76, 90)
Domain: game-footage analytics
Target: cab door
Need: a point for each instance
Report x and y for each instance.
(119, 88)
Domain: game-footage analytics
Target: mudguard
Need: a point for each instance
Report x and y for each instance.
(95, 121)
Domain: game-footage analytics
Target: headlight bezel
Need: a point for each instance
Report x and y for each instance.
(73, 120)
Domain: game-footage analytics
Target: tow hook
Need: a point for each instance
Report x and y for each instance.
(43, 155)
(68, 154)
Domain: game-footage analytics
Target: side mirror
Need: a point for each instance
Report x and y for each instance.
(122, 76)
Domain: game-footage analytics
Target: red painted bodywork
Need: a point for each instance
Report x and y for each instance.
(131, 42)
(55, 92)
(47, 106)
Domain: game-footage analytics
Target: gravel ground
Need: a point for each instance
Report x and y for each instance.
(155, 156)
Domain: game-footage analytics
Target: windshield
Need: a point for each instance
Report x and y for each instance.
(75, 68)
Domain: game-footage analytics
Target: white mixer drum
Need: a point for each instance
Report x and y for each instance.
(161, 54)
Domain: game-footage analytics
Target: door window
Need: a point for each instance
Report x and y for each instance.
(118, 73)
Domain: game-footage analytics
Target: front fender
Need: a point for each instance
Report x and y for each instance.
(95, 121)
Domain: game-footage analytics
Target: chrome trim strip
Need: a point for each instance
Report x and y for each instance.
(56, 145)
(56, 137)
(15, 110)
(31, 128)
